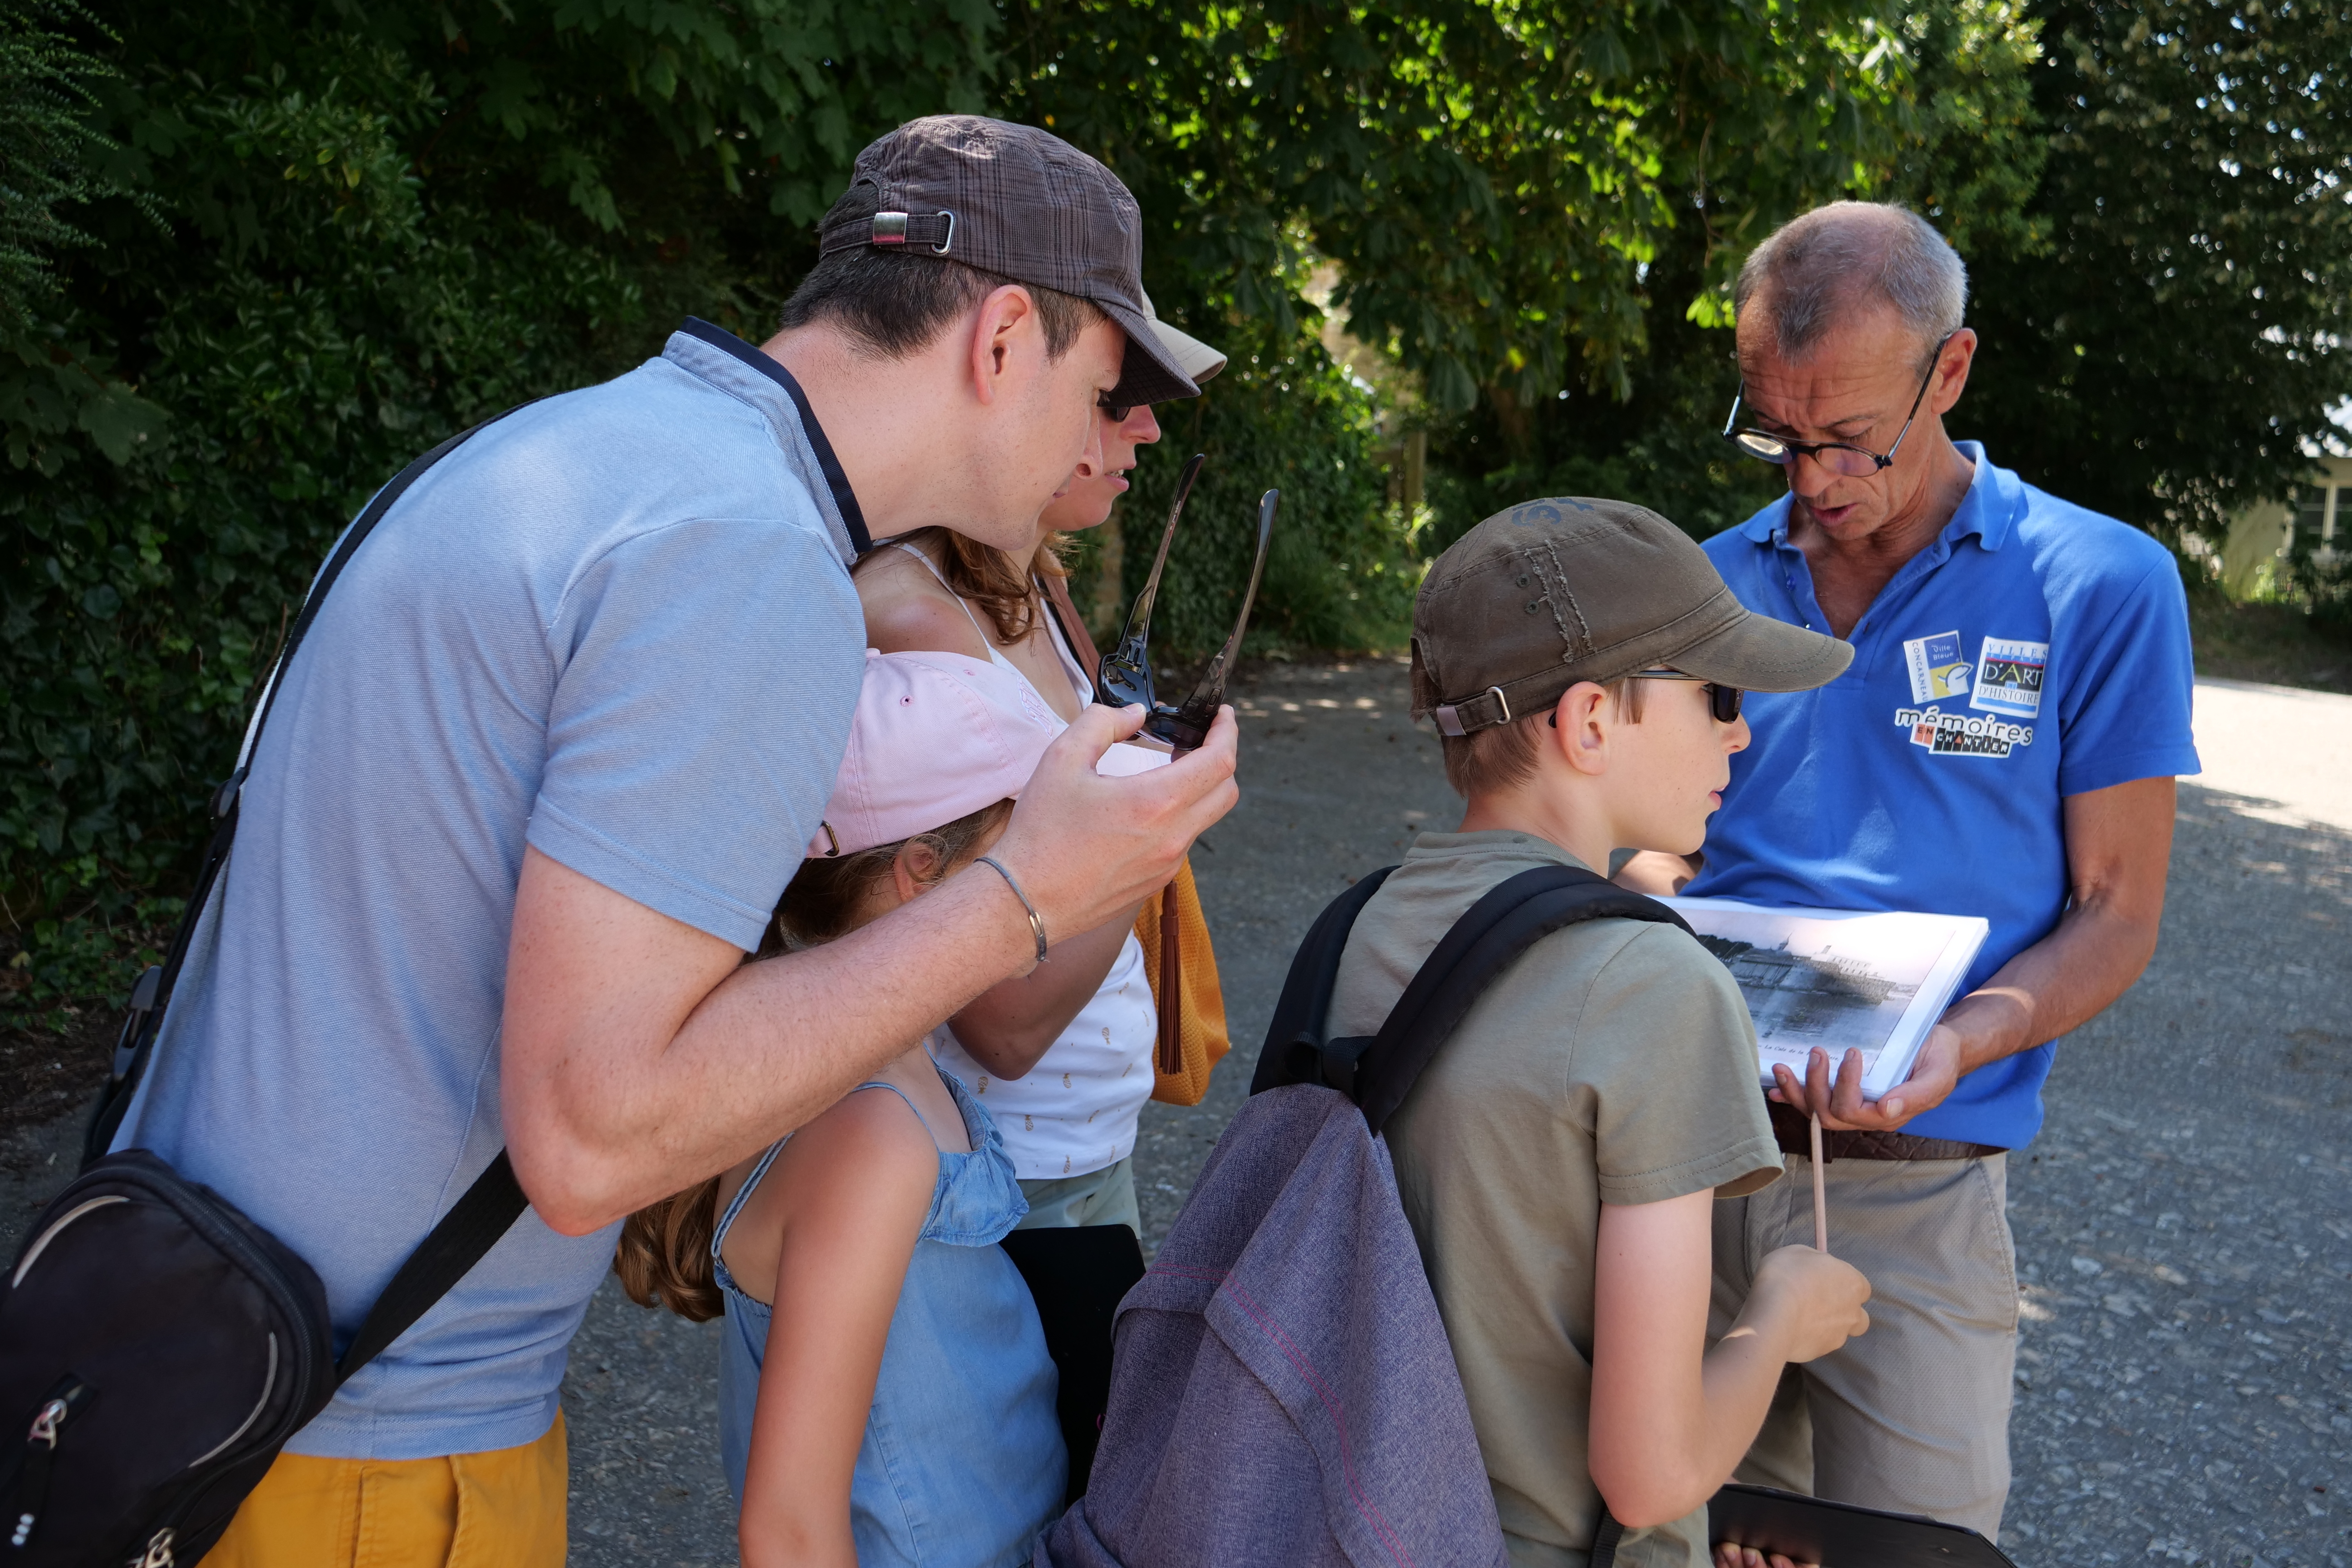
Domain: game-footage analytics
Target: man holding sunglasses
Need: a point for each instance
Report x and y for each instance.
(2004, 745)
(558, 740)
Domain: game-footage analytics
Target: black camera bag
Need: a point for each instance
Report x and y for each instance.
(157, 1348)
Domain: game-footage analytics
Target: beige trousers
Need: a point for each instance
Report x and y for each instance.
(1913, 1416)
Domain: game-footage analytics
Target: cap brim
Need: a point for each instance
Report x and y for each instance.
(1150, 373)
(1193, 357)
(1757, 653)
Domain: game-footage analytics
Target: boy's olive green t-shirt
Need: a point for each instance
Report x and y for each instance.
(1614, 1063)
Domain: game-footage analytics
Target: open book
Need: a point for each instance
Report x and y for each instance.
(1838, 979)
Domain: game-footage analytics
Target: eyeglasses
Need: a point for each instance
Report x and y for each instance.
(1722, 701)
(1125, 678)
(1115, 412)
(1838, 457)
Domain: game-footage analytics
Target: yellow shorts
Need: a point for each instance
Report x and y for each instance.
(500, 1510)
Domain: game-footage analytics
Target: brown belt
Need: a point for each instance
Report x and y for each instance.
(1793, 1132)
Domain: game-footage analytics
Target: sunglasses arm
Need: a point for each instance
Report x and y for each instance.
(1126, 674)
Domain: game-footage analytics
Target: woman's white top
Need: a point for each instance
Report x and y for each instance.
(1075, 1113)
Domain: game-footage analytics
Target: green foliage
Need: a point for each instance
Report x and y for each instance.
(2167, 354)
(45, 85)
(378, 225)
(1951, 130)
(55, 963)
(1341, 569)
(326, 234)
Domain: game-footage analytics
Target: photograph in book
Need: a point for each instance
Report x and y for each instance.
(1838, 979)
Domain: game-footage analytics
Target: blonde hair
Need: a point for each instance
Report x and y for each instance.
(1503, 756)
(663, 1256)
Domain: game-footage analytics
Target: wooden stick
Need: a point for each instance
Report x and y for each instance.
(1820, 1195)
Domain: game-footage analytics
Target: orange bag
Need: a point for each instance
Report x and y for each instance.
(1182, 968)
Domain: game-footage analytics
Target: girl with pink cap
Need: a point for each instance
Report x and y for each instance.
(1061, 1056)
(874, 1327)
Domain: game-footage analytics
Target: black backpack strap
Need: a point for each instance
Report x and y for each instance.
(1295, 1047)
(466, 1233)
(1487, 939)
(1606, 1536)
(153, 992)
(1378, 1072)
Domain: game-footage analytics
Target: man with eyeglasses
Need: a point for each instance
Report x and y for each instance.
(2004, 745)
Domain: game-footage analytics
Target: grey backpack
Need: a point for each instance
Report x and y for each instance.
(1283, 1391)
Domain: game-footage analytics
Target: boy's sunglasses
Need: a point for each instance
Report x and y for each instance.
(1126, 675)
(1722, 701)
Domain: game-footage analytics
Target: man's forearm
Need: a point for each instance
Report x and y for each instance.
(2058, 984)
(597, 1133)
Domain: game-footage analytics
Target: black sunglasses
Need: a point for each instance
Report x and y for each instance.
(1115, 412)
(1125, 678)
(1723, 701)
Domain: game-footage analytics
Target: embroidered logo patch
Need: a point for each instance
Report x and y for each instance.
(1937, 667)
(2009, 677)
(1945, 734)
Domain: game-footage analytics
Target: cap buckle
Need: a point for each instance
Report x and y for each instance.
(890, 228)
(1449, 716)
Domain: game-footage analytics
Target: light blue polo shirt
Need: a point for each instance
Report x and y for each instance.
(2033, 651)
(617, 626)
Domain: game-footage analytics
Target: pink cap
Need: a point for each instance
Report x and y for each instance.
(936, 736)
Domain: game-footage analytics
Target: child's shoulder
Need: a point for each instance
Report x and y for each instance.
(909, 610)
(1647, 967)
(875, 1125)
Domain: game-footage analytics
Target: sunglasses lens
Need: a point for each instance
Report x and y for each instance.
(1123, 689)
(1115, 412)
(1724, 703)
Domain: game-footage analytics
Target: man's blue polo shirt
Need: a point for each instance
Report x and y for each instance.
(2035, 650)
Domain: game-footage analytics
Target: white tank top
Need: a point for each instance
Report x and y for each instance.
(1075, 1113)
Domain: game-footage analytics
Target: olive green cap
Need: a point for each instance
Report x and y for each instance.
(1553, 591)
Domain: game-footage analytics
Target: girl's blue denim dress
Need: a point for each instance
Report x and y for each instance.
(962, 1463)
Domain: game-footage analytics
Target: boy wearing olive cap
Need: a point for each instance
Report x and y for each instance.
(1584, 663)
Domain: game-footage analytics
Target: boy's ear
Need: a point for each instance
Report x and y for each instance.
(1579, 727)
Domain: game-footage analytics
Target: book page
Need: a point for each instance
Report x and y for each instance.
(1837, 980)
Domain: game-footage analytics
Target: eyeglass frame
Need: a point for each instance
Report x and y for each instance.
(1813, 450)
(1716, 701)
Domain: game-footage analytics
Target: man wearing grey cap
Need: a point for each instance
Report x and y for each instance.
(560, 736)
(1558, 1158)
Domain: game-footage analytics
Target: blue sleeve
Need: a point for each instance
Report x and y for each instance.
(706, 676)
(2125, 713)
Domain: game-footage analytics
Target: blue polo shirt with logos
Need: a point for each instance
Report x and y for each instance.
(2033, 651)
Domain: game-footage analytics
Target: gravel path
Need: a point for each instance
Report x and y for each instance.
(2184, 1227)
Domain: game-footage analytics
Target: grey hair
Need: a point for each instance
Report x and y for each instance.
(1813, 268)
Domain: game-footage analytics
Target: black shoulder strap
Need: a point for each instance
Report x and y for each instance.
(464, 1236)
(1379, 1071)
(1294, 1051)
(492, 1204)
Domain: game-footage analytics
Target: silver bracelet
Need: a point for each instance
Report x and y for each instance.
(1036, 920)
